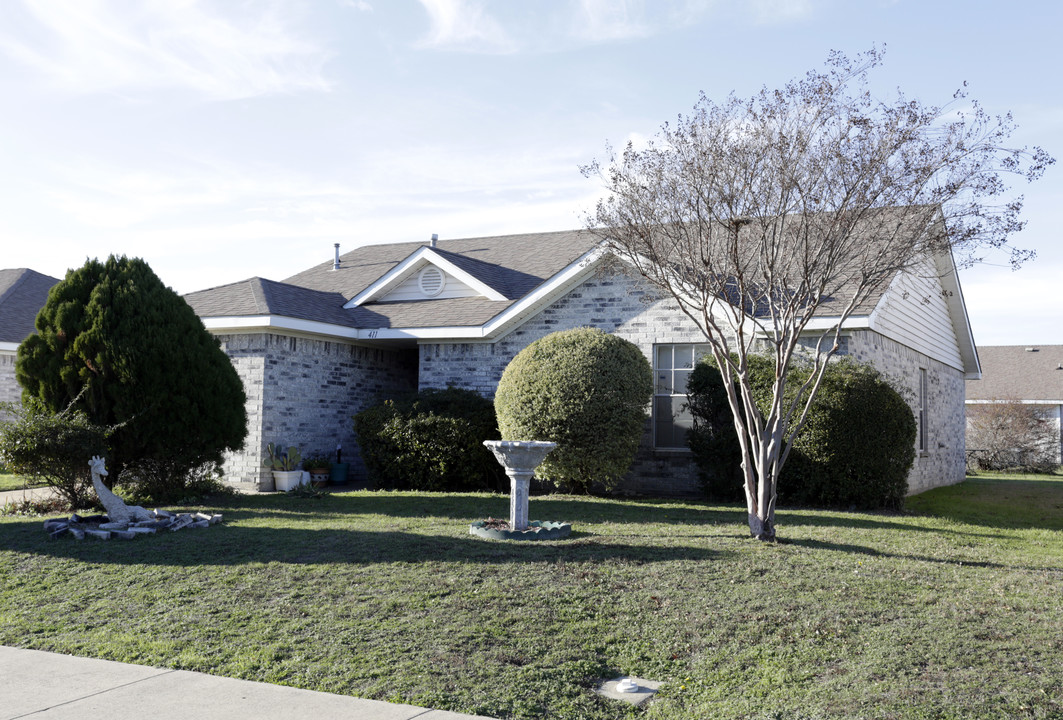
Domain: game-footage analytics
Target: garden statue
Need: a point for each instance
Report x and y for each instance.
(117, 511)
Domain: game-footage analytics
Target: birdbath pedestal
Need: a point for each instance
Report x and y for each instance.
(519, 458)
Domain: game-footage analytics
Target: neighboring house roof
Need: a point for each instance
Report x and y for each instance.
(1028, 373)
(23, 293)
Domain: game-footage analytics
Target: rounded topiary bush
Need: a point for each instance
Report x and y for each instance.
(858, 445)
(432, 440)
(855, 450)
(587, 391)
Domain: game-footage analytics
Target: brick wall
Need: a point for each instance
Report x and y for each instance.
(303, 392)
(942, 463)
(10, 390)
(614, 302)
(617, 304)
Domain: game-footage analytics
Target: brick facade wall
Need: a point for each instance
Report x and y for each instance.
(942, 463)
(303, 392)
(10, 390)
(615, 303)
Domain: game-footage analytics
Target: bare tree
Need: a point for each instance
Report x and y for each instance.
(1009, 433)
(758, 215)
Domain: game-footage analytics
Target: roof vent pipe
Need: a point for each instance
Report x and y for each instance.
(336, 262)
(435, 239)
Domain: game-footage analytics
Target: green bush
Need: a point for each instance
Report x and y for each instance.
(172, 481)
(855, 450)
(431, 441)
(54, 448)
(587, 391)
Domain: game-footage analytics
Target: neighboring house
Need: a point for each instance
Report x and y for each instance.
(1031, 375)
(23, 293)
(330, 341)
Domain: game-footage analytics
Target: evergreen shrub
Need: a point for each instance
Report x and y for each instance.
(432, 440)
(53, 447)
(855, 450)
(587, 391)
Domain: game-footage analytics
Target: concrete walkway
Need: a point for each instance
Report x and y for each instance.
(48, 686)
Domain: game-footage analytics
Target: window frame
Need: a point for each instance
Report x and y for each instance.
(657, 427)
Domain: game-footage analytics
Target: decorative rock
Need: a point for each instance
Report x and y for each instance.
(215, 519)
(59, 532)
(113, 526)
(53, 524)
(200, 524)
(180, 522)
(124, 534)
(75, 518)
(163, 513)
(78, 533)
(98, 534)
(142, 530)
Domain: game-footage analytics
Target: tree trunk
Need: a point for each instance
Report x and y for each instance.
(762, 528)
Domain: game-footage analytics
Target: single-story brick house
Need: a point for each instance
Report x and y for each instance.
(1031, 375)
(22, 295)
(329, 341)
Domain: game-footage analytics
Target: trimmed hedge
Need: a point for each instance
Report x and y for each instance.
(432, 440)
(855, 450)
(587, 391)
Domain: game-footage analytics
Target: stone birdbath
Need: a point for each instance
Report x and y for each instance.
(520, 458)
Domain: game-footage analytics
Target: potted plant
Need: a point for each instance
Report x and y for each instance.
(318, 467)
(284, 465)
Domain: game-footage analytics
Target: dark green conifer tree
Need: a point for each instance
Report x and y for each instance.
(128, 351)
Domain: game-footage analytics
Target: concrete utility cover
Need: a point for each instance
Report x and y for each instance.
(646, 690)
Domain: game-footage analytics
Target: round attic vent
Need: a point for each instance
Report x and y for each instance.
(431, 281)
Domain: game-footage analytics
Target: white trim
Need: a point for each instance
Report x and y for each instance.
(1008, 402)
(421, 256)
(278, 322)
(9, 347)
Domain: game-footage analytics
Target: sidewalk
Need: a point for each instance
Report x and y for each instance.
(16, 495)
(48, 686)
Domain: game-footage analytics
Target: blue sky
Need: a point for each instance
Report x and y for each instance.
(223, 140)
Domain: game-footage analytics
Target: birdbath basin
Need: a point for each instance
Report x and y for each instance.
(520, 458)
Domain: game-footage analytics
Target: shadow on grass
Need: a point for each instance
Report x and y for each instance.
(233, 543)
(874, 552)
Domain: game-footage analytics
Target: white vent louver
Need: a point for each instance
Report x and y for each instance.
(431, 281)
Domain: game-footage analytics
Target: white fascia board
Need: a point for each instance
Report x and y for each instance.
(547, 292)
(265, 323)
(961, 322)
(404, 269)
(9, 347)
(1008, 402)
(853, 322)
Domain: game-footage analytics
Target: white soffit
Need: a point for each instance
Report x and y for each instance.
(413, 264)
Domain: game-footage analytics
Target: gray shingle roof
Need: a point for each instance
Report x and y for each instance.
(23, 293)
(258, 296)
(1013, 372)
(514, 265)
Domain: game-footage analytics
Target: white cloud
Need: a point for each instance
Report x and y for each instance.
(92, 46)
(603, 20)
(466, 26)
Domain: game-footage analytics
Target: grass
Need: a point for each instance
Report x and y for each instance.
(15, 482)
(951, 610)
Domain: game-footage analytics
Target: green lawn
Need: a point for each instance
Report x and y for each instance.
(15, 482)
(952, 610)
